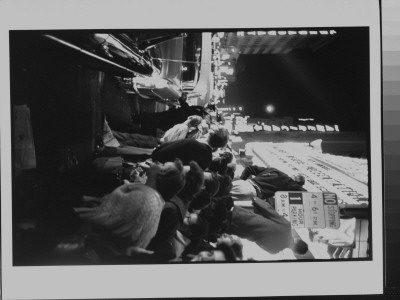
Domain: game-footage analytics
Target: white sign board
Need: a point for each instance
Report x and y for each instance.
(308, 210)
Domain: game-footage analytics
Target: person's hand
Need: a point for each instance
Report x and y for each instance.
(131, 251)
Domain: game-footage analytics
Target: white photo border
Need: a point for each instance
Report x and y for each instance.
(206, 280)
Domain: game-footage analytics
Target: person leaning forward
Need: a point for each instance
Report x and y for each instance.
(264, 182)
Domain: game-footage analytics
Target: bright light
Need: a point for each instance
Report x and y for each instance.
(240, 108)
(294, 128)
(267, 127)
(302, 128)
(313, 32)
(184, 68)
(269, 108)
(225, 69)
(284, 127)
(234, 109)
(240, 33)
(251, 33)
(321, 128)
(336, 127)
(324, 32)
(303, 32)
(275, 128)
(281, 32)
(332, 32)
(233, 50)
(292, 32)
(312, 128)
(329, 128)
(306, 119)
(261, 33)
(272, 32)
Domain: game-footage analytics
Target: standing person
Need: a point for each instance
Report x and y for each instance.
(189, 149)
(264, 182)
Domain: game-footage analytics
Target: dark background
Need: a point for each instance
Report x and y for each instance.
(330, 85)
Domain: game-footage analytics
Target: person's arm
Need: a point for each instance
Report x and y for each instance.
(263, 208)
(178, 132)
(251, 170)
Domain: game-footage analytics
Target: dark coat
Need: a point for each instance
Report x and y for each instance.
(186, 150)
(171, 220)
(263, 226)
(270, 180)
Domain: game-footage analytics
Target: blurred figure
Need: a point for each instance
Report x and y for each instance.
(229, 248)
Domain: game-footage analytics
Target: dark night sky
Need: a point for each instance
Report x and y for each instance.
(331, 85)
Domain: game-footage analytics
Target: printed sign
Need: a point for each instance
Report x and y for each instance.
(308, 210)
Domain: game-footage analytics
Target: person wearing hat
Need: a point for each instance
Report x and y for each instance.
(174, 212)
(116, 228)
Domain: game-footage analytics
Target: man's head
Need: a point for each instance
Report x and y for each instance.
(128, 216)
(299, 179)
(218, 137)
(300, 247)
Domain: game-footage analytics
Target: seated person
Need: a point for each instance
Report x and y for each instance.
(177, 132)
(174, 212)
(264, 182)
(180, 131)
(188, 149)
(266, 227)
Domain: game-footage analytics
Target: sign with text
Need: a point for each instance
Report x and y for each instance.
(308, 210)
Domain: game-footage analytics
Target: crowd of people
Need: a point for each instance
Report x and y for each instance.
(169, 198)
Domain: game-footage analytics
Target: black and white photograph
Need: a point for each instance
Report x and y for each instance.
(225, 149)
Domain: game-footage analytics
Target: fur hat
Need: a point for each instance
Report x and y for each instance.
(128, 216)
(170, 181)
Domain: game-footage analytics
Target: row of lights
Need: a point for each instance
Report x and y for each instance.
(287, 32)
(319, 128)
(230, 108)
